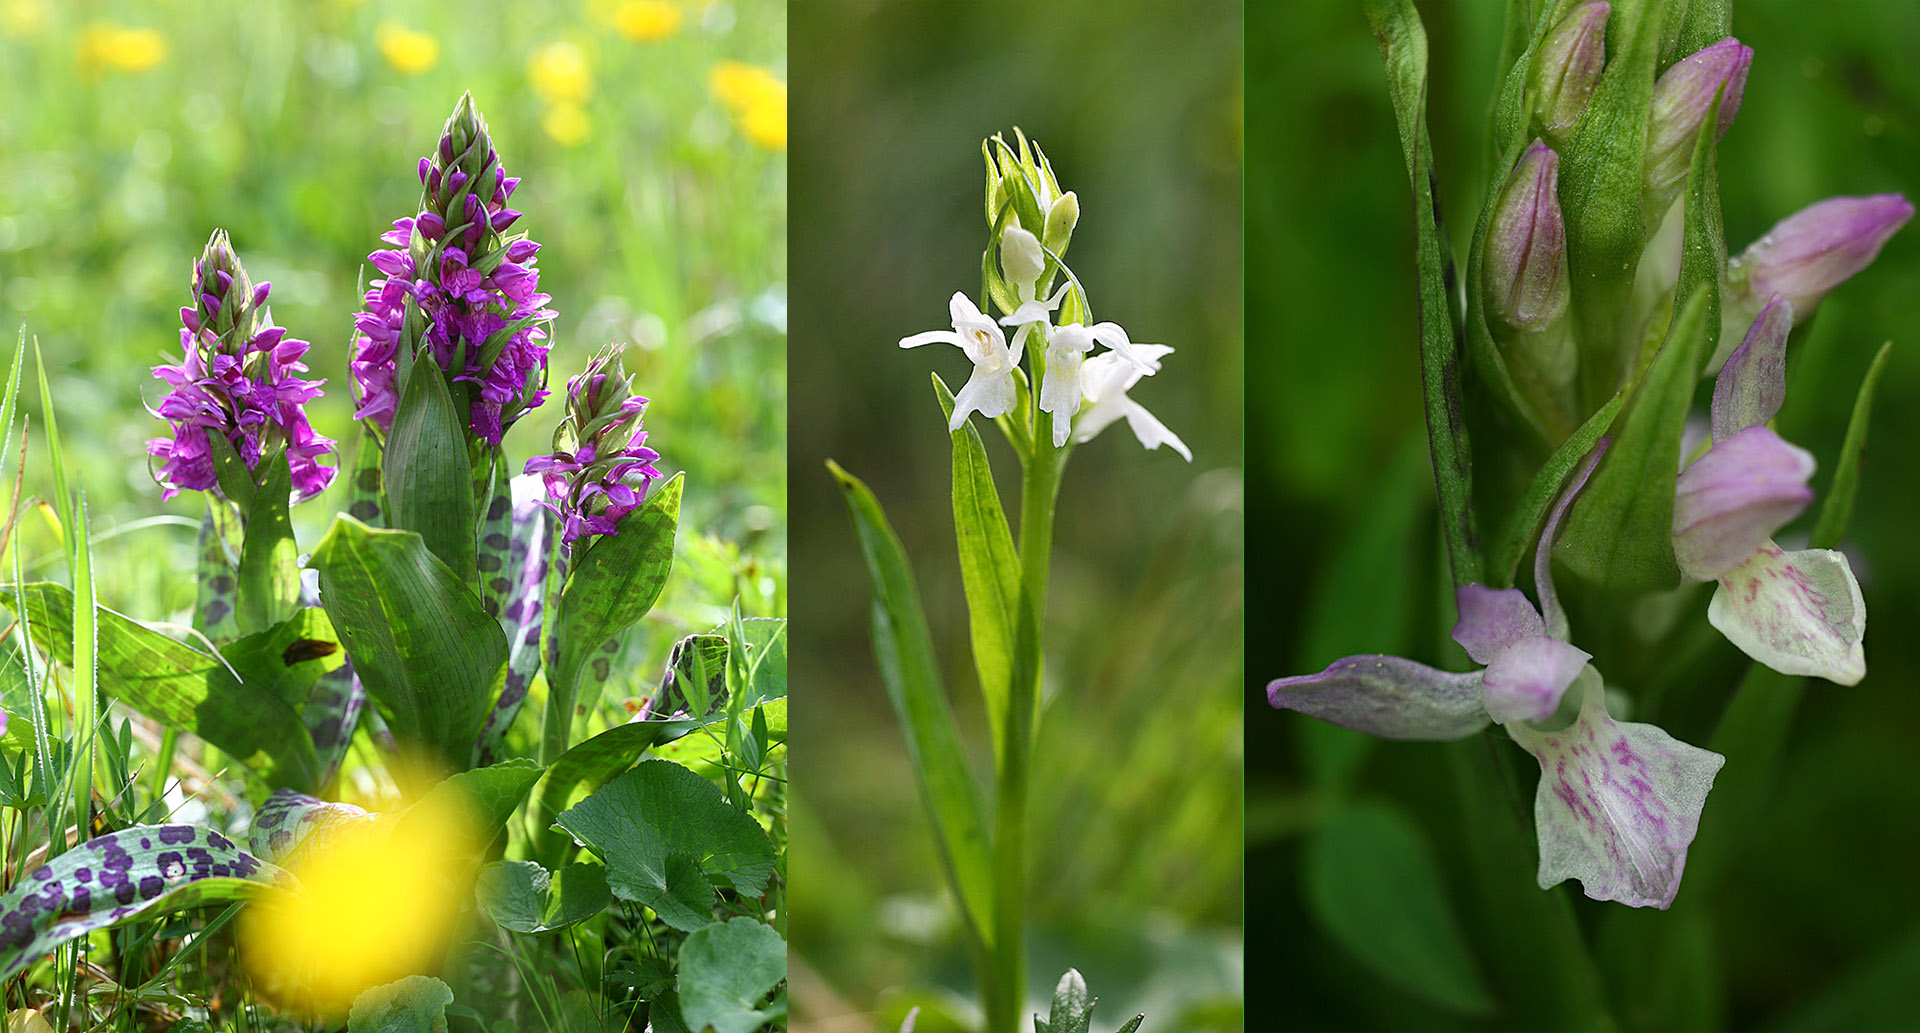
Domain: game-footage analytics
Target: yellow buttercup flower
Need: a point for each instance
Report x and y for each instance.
(757, 99)
(106, 45)
(567, 123)
(764, 121)
(405, 49)
(646, 20)
(736, 82)
(559, 74)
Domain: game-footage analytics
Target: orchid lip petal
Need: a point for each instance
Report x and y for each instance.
(1753, 384)
(1492, 619)
(1525, 682)
(1618, 802)
(1387, 696)
(1731, 500)
(1799, 613)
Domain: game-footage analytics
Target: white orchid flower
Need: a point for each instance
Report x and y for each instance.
(990, 391)
(1104, 380)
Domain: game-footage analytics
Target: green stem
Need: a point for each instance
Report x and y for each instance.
(1039, 489)
(163, 763)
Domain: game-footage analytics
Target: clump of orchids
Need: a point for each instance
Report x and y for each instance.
(1599, 294)
(1051, 378)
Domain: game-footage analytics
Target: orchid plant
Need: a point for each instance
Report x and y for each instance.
(434, 607)
(1598, 295)
(1036, 374)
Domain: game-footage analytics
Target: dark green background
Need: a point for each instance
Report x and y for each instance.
(1816, 922)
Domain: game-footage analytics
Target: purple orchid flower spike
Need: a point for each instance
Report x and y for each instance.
(1797, 612)
(1618, 803)
(600, 467)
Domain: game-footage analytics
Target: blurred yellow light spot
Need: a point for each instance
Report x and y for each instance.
(558, 72)
(377, 901)
(106, 45)
(567, 123)
(405, 49)
(646, 20)
(757, 99)
(22, 17)
(27, 1020)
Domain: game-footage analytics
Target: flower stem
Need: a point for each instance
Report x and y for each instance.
(1040, 488)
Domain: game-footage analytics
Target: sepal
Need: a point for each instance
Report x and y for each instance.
(1387, 696)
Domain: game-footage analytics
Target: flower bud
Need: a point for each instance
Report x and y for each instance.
(1021, 258)
(1680, 102)
(1818, 248)
(1569, 65)
(1061, 219)
(1730, 501)
(1526, 265)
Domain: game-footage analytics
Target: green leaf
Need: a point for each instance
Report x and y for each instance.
(1373, 884)
(366, 490)
(989, 567)
(287, 659)
(269, 586)
(1072, 1010)
(1836, 513)
(903, 648)
(425, 650)
(415, 1004)
(1703, 261)
(608, 591)
(493, 482)
(598, 759)
(217, 592)
(1524, 524)
(179, 686)
(524, 897)
(137, 870)
(639, 822)
(726, 972)
(488, 796)
(1620, 532)
(1403, 46)
(429, 480)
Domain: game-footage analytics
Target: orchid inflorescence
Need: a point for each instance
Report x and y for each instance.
(236, 391)
(599, 452)
(1080, 393)
(1596, 358)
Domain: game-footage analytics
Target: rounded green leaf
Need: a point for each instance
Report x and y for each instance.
(726, 971)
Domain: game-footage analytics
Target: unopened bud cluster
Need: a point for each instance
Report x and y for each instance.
(600, 467)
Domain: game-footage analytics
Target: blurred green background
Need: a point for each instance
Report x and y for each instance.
(1136, 815)
(650, 135)
(1815, 921)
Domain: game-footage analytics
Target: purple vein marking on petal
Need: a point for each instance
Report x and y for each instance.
(1753, 384)
(1618, 802)
(1550, 611)
(1797, 612)
(1388, 696)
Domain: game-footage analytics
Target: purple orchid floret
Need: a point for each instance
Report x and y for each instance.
(601, 467)
(1818, 248)
(1798, 612)
(1681, 99)
(1527, 244)
(456, 288)
(239, 378)
(1572, 56)
(1618, 803)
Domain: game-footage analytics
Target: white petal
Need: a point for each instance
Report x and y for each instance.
(932, 337)
(1097, 416)
(988, 393)
(1151, 432)
(1060, 391)
(1527, 678)
(1618, 803)
(1144, 356)
(1796, 612)
(1028, 312)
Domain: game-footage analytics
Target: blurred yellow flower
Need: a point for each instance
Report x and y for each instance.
(567, 123)
(558, 72)
(106, 45)
(644, 20)
(22, 17)
(409, 51)
(757, 99)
